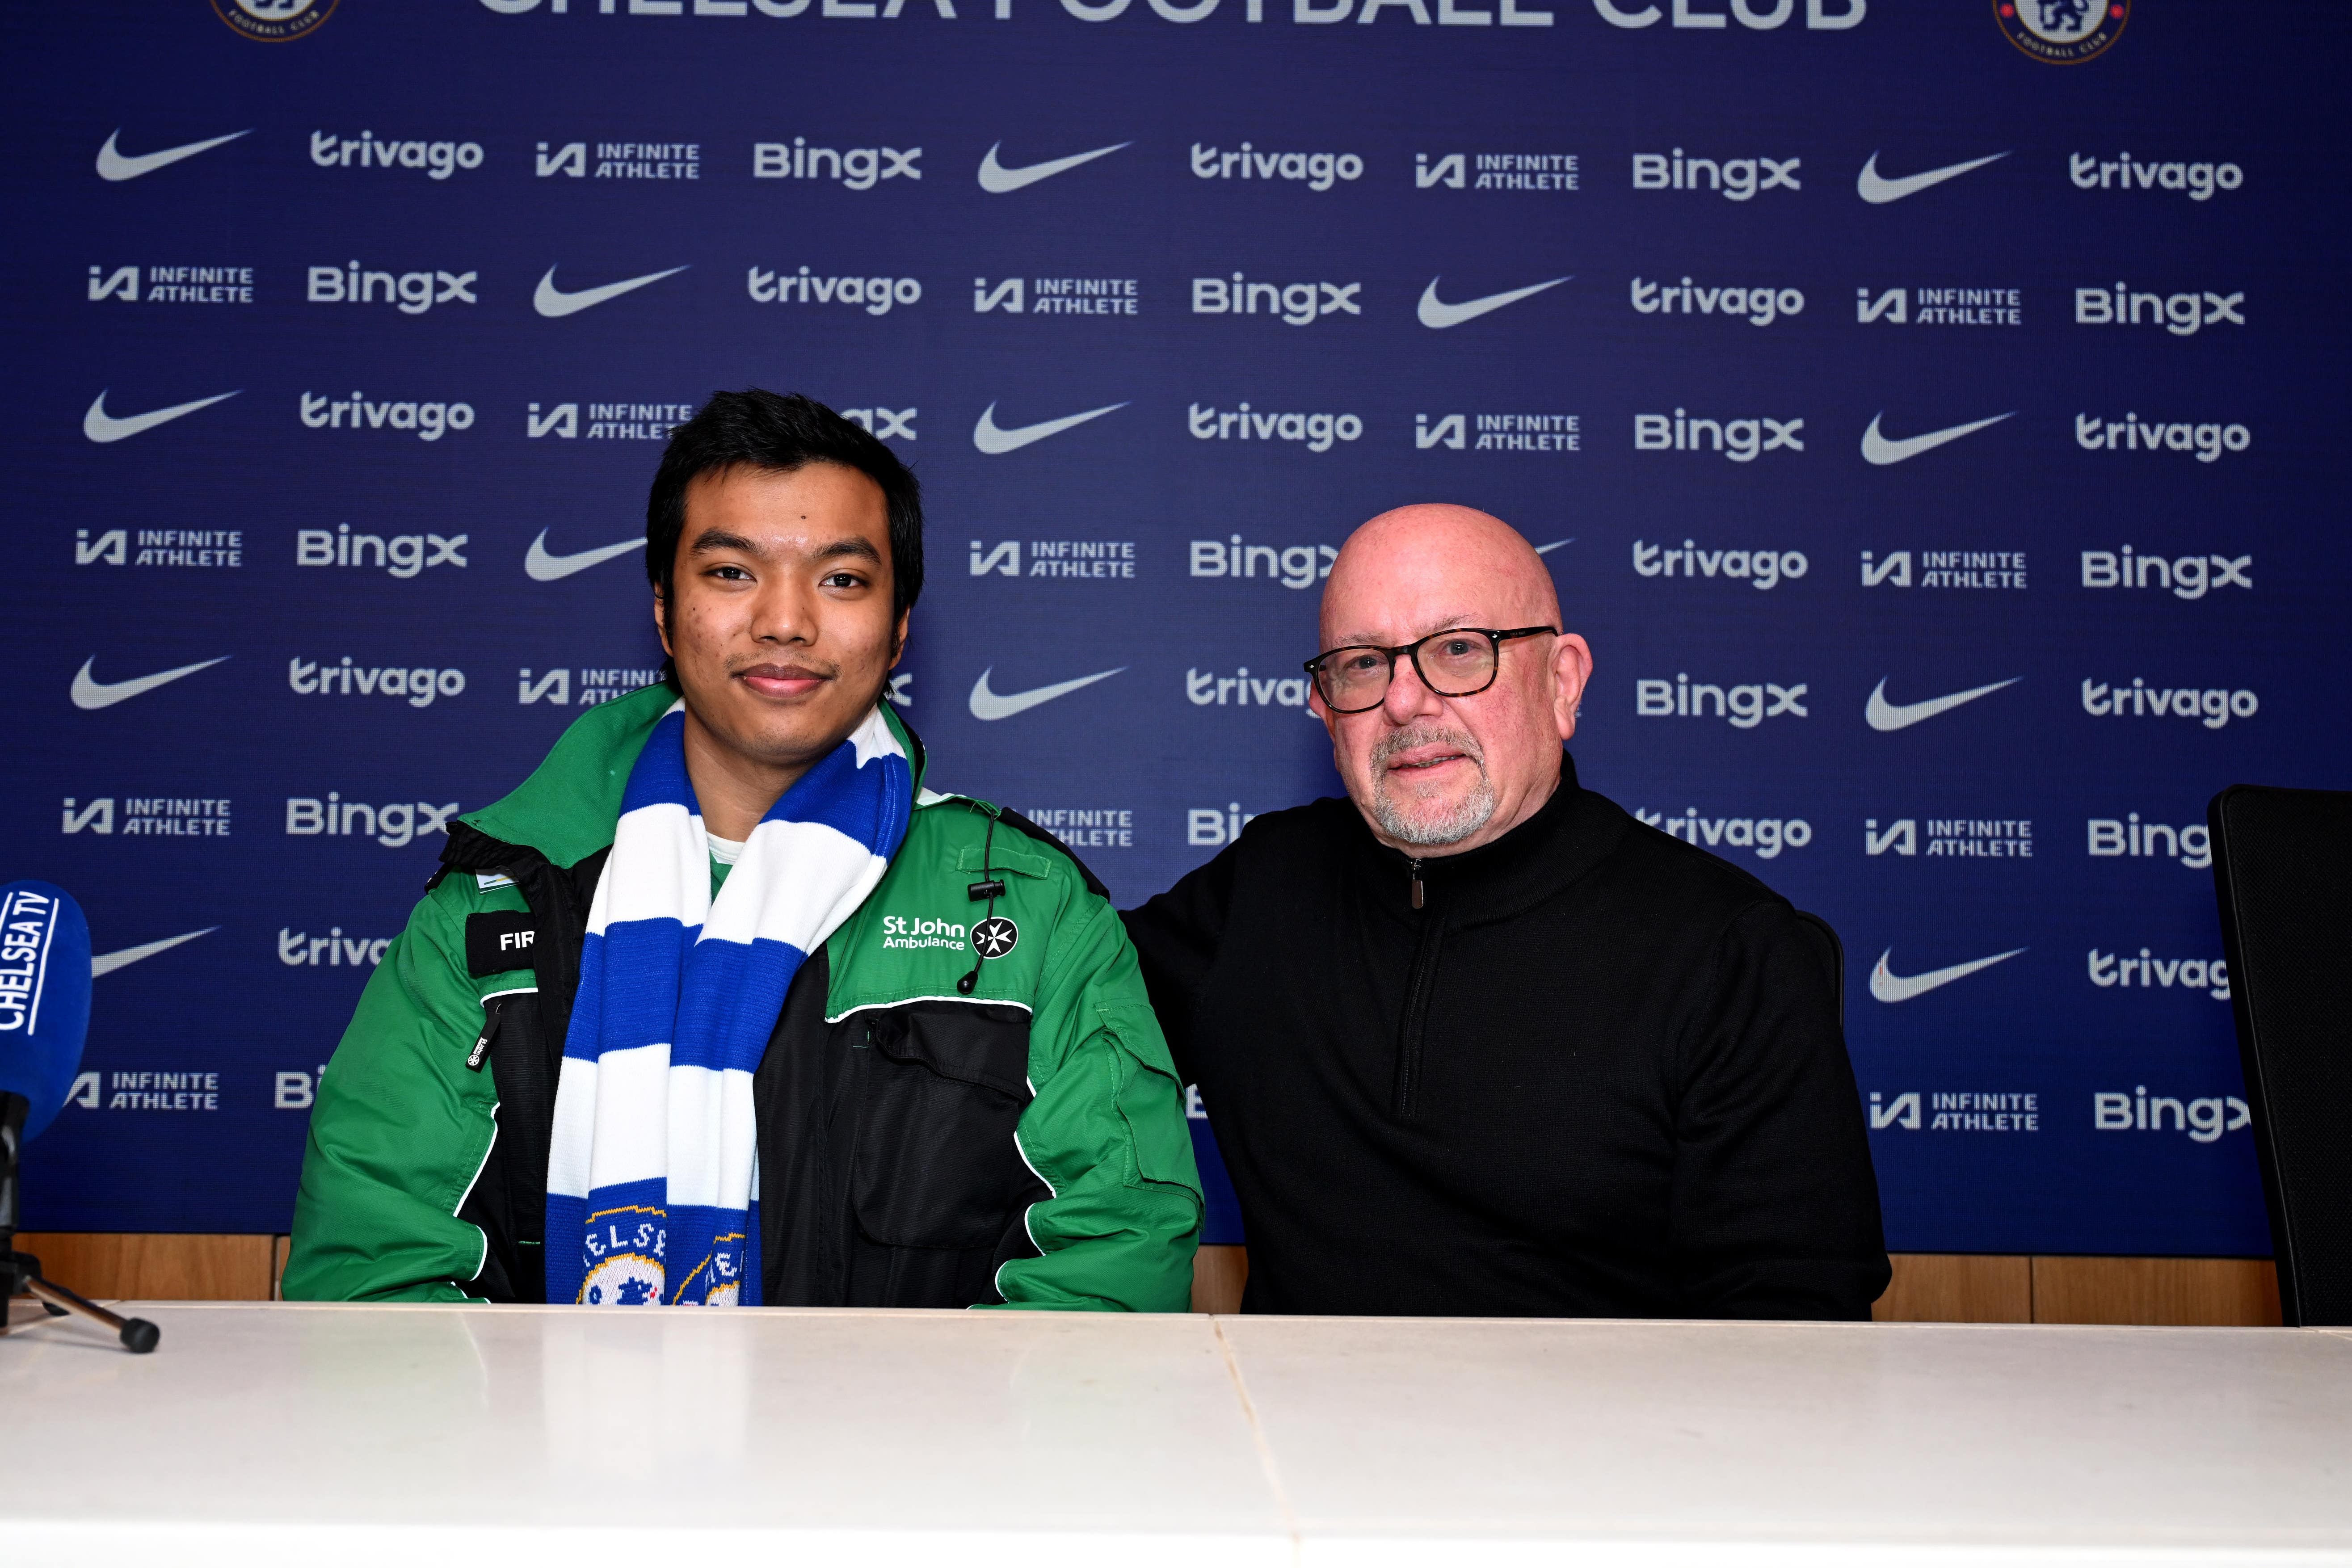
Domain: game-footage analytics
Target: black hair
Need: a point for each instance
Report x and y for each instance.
(759, 429)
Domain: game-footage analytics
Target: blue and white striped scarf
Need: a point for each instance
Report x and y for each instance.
(653, 1171)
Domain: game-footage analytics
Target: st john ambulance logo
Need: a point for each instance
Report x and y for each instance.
(274, 21)
(994, 937)
(2062, 32)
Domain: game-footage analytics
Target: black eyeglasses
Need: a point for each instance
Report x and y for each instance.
(1458, 663)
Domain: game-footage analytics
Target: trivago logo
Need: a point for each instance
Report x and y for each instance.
(1206, 688)
(2125, 172)
(435, 160)
(1759, 305)
(1765, 836)
(875, 296)
(300, 950)
(2213, 707)
(1315, 170)
(426, 421)
(2110, 971)
(416, 687)
(1317, 432)
(1759, 569)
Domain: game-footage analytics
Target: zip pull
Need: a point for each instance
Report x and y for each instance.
(495, 1012)
(1415, 866)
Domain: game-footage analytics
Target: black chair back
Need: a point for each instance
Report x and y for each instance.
(2282, 870)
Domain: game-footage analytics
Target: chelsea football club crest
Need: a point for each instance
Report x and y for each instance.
(274, 21)
(2062, 32)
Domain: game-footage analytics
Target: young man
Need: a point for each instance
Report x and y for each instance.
(1474, 1041)
(721, 1007)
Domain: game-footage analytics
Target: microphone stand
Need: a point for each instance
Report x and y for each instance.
(21, 1271)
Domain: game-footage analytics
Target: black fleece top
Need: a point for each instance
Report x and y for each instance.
(1598, 1073)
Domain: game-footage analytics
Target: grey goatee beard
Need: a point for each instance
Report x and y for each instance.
(1428, 825)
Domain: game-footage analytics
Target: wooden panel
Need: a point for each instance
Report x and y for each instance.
(1218, 1275)
(118, 1267)
(1958, 1287)
(2182, 1291)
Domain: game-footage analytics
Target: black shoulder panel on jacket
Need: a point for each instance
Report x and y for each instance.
(500, 939)
(471, 849)
(1012, 818)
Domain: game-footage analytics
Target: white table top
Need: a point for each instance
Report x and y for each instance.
(507, 1435)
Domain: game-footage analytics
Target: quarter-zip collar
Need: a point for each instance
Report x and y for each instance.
(1562, 841)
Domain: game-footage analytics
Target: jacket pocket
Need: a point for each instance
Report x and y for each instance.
(1151, 1100)
(944, 1088)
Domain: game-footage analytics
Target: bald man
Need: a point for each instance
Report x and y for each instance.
(1473, 1041)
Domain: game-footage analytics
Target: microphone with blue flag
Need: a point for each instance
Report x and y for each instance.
(45, 978)
(44, 999)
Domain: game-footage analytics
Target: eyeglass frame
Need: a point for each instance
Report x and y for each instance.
(1412, 650)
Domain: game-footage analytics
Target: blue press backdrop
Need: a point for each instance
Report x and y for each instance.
(419, 481)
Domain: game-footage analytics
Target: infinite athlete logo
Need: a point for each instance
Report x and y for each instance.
(274, 21)
(2062, 32)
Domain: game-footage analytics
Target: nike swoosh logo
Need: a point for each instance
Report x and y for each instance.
(108, 963)
(549, 300)
(1880, 450)
(1888, 717)
(1436, 312)
(1555, 544)
(114, 166)
(89, 695)
(1889, 986)
(545, 567)
(997, 180)
(987, 704)
(1878, 190)
(101, 427)
(995, 441)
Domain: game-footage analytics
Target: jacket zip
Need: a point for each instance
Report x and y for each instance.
(495, 1011)
(1414, 1026)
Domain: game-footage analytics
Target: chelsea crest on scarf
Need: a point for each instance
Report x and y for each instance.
(653, 1170)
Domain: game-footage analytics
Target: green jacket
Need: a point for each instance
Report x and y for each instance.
(1024, 1145)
